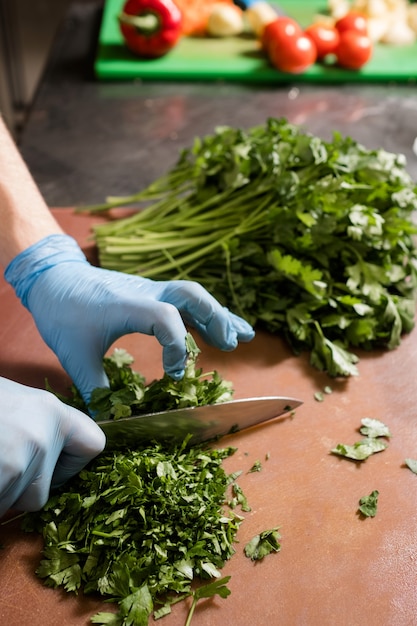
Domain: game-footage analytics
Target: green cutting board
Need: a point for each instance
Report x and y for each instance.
(239, 58)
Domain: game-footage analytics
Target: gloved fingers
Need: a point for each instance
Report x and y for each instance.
(84, 352)
(13, 483)
(174, 358)
(168, 328)
(225, 324)
(84, 365)
(34, 495)
(82, 445)
(152, 317)
(217, 325)
(244, 330)
(170, 331)
(32, 482)
(36, 429)
(77, 441)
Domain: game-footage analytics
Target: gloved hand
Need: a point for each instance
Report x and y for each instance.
(43, 443)
(80, 310)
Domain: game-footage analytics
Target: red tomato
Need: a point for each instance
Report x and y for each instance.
(354, 50)
(353, 21)
(292, 53)
(281, 27)
(326, 38)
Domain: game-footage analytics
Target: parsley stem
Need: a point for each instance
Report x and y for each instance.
(12, 519)
(100, 533)
(191, 611)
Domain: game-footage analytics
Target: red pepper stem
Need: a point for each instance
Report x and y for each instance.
(147, 23)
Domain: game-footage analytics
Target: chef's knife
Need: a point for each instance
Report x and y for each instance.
(203, 423)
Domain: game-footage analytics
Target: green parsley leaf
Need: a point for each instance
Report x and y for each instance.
(360, 450)
(61, 566)
(332, 357)
(412, 465)
(256, 467)
(368, 504)
(162, 612)
(218, 587)
(239, 498)
(263, 544)
(319, 395)
(374, 428)
(107, 619)
(136, 608)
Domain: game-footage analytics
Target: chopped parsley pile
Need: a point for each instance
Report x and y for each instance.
(309, 238)
(145, 527)
(139, 527)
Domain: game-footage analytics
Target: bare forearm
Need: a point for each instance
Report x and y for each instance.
(24, 215)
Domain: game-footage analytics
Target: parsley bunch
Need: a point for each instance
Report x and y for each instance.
(309, 238)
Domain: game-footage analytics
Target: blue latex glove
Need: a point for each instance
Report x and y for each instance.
(80, 310)
(43, 443)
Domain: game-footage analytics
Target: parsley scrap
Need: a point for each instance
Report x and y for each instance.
(256, 467)
(239, 498)
(368, 505)
(374, 430)
(411, 464)
(263, 544)
(319, 395)
(360, 450)
(315, 238)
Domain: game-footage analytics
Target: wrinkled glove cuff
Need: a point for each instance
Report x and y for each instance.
(23, 271)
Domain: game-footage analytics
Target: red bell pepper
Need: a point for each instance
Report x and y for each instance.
(150, 28)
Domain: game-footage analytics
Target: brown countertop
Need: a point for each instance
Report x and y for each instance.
(333, 566)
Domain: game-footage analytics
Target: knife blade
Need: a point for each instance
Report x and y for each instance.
(202, 423)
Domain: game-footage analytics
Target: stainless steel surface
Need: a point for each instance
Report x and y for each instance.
(202, 422)
(24, 50)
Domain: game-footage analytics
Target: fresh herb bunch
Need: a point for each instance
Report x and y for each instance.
(139, 528)
(308, 238)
